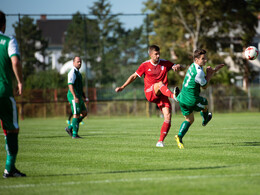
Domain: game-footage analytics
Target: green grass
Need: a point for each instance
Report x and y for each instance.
(118, 156)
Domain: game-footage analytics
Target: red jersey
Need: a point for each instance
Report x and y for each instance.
(153, 73)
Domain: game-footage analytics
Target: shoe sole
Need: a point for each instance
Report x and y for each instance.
(76, 137)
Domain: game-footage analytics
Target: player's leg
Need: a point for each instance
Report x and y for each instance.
(81, 112)
(75, 126)
(70, 127)
(166, 123)
(165, 107)
(69, 118)
(202, 106)
(84, 112)
(83, 115)
(9, 118)
(160, 88)
(189, 119)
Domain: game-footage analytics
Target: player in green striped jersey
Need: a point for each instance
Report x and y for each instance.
(74, 96)
(189, 98)
(9, 64)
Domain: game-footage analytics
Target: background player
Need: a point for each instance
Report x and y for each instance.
(155, 86)
(9, 64)
(189, 97)
(75, 98)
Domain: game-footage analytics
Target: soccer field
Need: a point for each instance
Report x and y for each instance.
(118, 156)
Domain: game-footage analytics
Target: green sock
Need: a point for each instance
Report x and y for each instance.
(70, 126)
(75, 125)
(11, 146)
(183, 129)
(204, 115)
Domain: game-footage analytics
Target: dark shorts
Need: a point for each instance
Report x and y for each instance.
(8, 114)
(161, 100)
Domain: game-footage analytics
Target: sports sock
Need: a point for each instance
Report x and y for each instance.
(165, 91)
(70, 126)
(11, 146)
(204, 115)
(183, 129)
(75, 125)
(165, 129)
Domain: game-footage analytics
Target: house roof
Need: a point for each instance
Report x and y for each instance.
(53, 30)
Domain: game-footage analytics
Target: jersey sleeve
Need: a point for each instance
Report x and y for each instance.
(71, 77)
(169, 65)
(140, 71)
(200, 78)
(13, 49)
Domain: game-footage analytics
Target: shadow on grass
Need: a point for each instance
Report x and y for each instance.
(135, 171)
(240, 144)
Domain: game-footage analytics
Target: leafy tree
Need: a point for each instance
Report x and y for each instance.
(81, 39)
(118, 47)
(184, 25)
(193, 21)
(50, 79)
(109, 32)
(30, 41)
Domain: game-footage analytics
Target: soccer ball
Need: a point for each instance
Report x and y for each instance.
(251, 53)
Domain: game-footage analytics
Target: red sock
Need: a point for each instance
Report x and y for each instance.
(165, 91)
(165, 129)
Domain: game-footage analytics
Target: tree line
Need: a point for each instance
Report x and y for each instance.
(177, 26)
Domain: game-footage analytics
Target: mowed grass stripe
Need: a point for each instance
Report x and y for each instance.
(117, 155)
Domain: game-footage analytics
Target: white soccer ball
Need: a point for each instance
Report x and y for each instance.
(251, 53)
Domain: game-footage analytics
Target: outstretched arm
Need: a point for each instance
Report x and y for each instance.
(210, 72)
(128, 81)
(177, 67)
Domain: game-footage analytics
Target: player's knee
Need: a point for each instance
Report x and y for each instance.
(84, 113)
(191, 120)
(205, 109)
(76, 115)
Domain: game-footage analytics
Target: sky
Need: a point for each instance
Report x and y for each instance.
(70, 7)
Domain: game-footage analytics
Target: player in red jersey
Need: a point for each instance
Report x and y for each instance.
(156, 86)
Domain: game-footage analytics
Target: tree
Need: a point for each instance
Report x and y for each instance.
(184, 25)
(192, 21)
(30, 41)
(81, 39)
(50, 79)
(109, 32)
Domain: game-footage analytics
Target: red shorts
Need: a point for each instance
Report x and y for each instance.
(161, 100)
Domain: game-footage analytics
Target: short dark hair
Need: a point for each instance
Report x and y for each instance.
(153, 48)
(2, 19)
(76, 57)
(198, 52)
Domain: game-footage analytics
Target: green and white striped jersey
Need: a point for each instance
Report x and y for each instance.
(75, 79)
(8, 48)
(194, 79)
